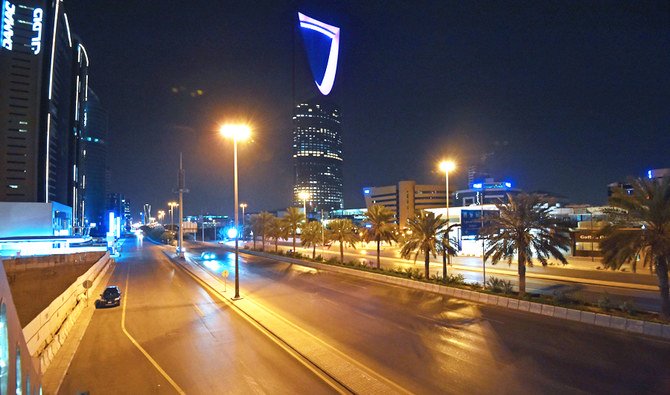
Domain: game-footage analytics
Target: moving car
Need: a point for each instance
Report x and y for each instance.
(208, 255)
(110, 297)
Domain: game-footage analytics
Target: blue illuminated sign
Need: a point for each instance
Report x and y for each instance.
(8, 11)
(366, 191)
(649, 174)
(36, 41)
(323, 45)
(477, 186)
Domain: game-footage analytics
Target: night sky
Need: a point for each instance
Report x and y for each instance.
(561, 96)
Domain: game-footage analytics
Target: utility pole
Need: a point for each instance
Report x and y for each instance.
(181, 191)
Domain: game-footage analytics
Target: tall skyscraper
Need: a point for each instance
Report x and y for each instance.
(93, 161)
(44, 74)
(317, 155)
(317, 133)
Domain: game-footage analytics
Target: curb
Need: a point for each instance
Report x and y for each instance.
(598, 319)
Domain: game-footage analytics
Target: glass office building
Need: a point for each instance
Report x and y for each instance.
(317, 155)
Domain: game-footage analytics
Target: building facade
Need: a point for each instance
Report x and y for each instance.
(317, 156)
(93, 162)
(405, 198)
(44, 70)
(487, 191)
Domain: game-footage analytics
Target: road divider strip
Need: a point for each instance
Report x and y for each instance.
(604, 320)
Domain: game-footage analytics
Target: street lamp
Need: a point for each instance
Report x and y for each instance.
(447, 166)
(172, 206)
(243, 206)
(236, 133)
(304, 195)
(161, 215)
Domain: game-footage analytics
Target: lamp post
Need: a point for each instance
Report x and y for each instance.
(447, 166)
(243, 206)
(304, 196)
(236, 133)
(172, 206)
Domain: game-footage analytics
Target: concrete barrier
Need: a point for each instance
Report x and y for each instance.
(49, 329)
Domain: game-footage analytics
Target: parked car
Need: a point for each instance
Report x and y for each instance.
(110, 297)
(208, 255)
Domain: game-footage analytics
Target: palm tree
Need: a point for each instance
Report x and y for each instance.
(343, 231)
(381, 227)
(264, 219)
(424, 229)
(644, 234)
(448, 246)
(276, 230)
(312, 235)
(524, 228)
(254, 225)
(293, 220)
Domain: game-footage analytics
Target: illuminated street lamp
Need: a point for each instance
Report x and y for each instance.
(236, 133)
(243, 206)
(447, 166)
(304, 195)
(172, 206)
(161, 215)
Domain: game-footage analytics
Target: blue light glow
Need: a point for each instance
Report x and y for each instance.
(477, 185)
(232, 233)
(649, 174)
(323, 48)
(366, 191)
(508, 184)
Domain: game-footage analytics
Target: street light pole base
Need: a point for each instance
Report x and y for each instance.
(236, 298)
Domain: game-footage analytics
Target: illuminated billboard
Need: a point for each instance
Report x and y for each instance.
(322, 42)
(11, 21)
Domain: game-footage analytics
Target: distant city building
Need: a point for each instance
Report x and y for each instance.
(317, 155)
(653, 174)
(120, 207)
(405, 198)
(486, 191)
(44, 74)
(93, 162)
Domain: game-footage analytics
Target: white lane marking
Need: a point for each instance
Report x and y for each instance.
(142, 350)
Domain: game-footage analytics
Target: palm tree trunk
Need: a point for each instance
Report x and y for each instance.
(662, 274)
(522, 273)
(294, 234)
(341, 252)
(263, 241)
(427, 263)
(444, 266)
(379, 265)
(313, 251)
(277, 244)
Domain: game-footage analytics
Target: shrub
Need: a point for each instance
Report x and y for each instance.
(455, 279)
(499, 285)
(561, 298)
(604, 302)
(628, 307)
(332, 261)
(318, 258)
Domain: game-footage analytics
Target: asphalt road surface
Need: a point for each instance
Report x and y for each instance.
(430, 344)
(177, 338)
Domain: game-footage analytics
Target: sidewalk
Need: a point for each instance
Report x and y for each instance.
(344, 373)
